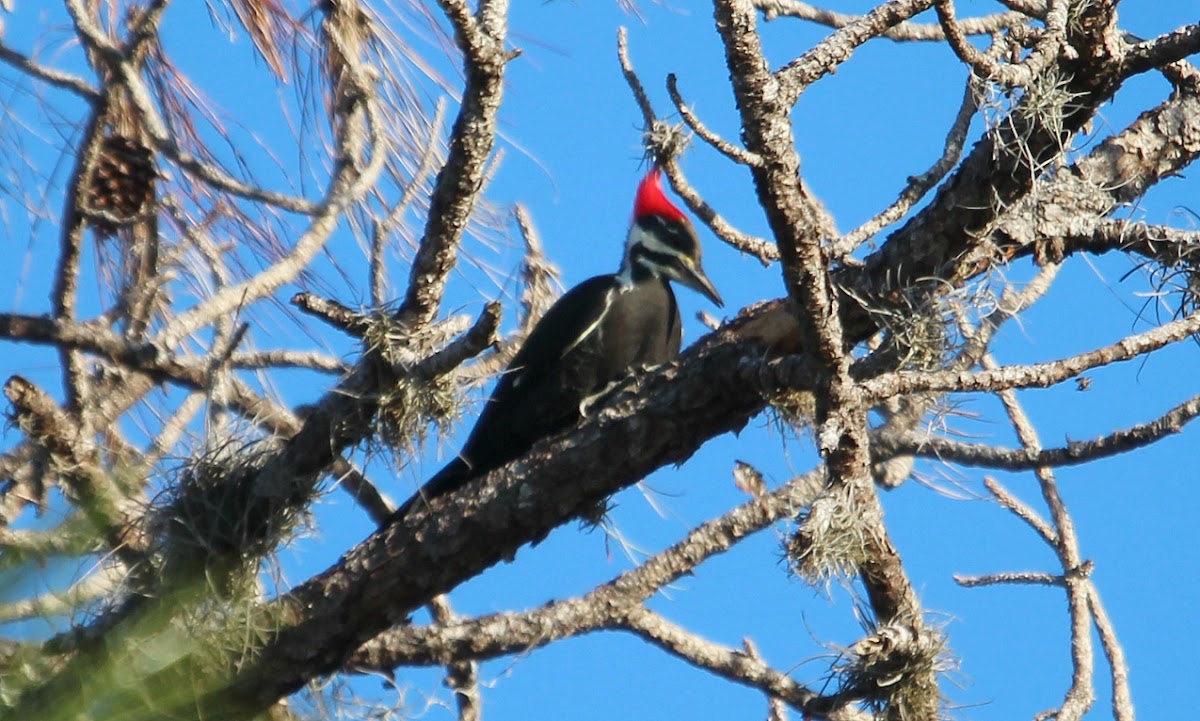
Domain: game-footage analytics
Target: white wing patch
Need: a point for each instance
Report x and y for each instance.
(593, 325)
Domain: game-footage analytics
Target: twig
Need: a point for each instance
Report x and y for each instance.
(540, 287)
(91, 487)
(365, 493)
(334, 313)
(635, 84)
(50, 76)
(836, 49)
(1022, 459)
(765, 251)
(1011, 577)
(723, 146)
(173, 428)
(731, 664)
(457, 186)
(66, 273)
(1081, 694)
(74, 536)
(481, 335)
(1122, 699)
(1162, 50)
(462, 677)
(540, 277)
(1052, 42)
(903, 32)
(1021, 510)
(919, 185)
(381, 229)
(313, 360)
(1039, 375)
(776, 707)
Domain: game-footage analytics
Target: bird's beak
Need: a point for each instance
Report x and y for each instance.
(693, 277)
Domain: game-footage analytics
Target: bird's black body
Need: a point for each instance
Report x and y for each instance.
(596, 334)
(558, 368)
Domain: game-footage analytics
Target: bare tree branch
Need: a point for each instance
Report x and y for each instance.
(824, 58)
(1122, 699)
(461, 676)
(471, 140)
(1163, 50)
(729, 663)
(1017, 577)
(1039, 375)
(662, 142)
(723, 146)
(919, 185)
(1081, 694)
(1073, 453)
(905, 31)
(1021, 510)
(52, 604)
(1051, 43)
(51, 76)
(79, 472)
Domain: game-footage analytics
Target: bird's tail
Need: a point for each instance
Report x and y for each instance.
(453, 476)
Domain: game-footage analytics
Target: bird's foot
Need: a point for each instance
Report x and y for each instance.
(606, 394)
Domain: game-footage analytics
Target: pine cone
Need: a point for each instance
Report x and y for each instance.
(122, 183)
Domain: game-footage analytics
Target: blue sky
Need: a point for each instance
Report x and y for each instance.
(573, 157)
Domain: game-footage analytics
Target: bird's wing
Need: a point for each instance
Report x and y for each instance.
(530, 400)
(572, 318)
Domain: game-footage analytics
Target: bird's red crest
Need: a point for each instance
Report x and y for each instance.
(652, 201)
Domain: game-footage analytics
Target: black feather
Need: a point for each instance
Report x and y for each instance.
(594, 335)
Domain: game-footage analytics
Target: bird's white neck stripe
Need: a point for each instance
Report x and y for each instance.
(638, 237)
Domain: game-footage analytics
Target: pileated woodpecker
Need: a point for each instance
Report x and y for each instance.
(597, 333)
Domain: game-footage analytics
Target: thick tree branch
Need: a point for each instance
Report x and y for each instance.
(507, 633)
(841, 414)
(999, 171)
(661, 417)
(1163, 50)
